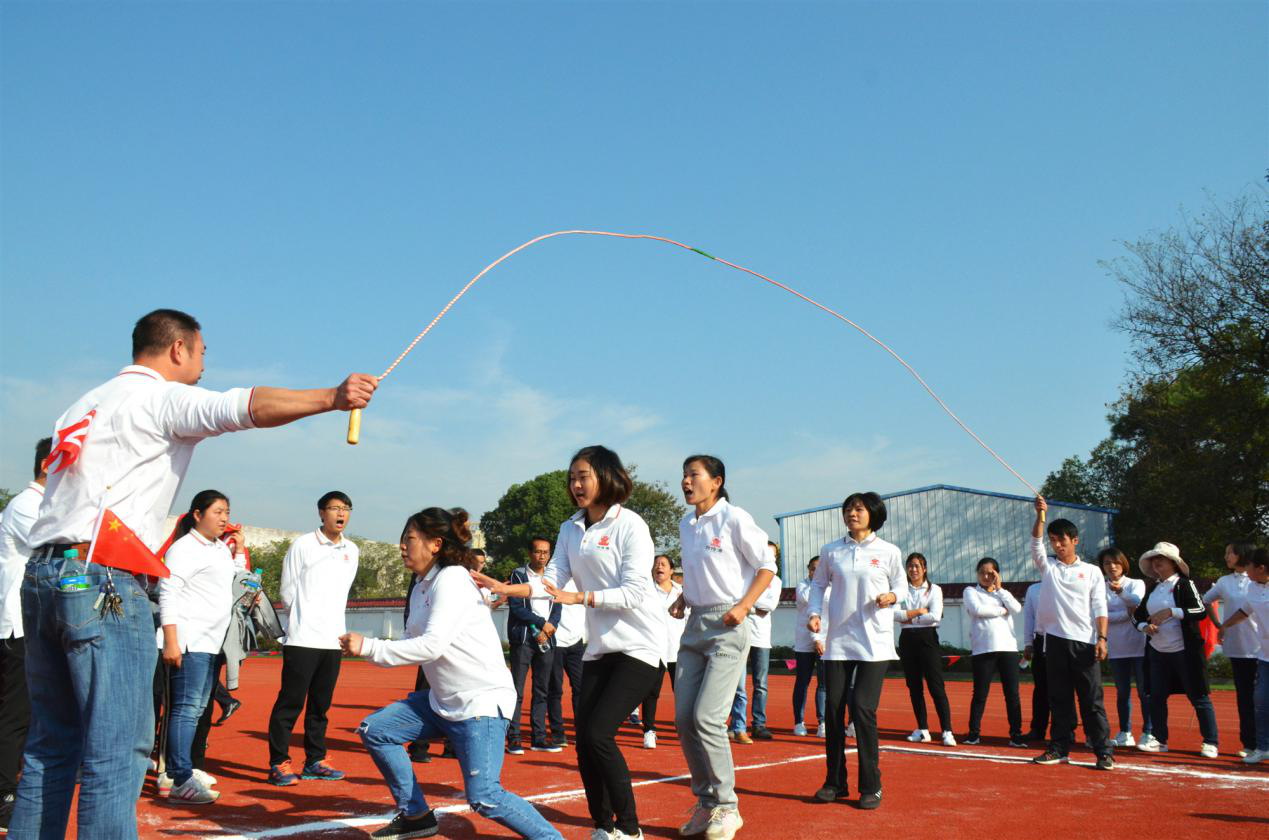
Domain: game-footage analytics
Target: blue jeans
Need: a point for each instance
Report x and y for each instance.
(190, 690)
(808, 663)
(1124, 671)
(1262, 705)
(759, 663)
(478, 742)
(89, 677)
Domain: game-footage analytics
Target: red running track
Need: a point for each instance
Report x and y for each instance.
(953, 793)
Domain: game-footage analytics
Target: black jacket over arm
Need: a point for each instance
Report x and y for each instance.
(1185, 596)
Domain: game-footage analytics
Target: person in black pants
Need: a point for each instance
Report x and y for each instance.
(991, 608)
(531, 627)
(570, 644)
(920, 609)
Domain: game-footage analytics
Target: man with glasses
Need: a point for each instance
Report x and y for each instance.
(531, 632)
(317, 573)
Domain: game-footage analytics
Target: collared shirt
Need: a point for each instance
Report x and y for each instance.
(858, 572)
(673, 626)
(722, 550)
(15, 550)
(928, 596)
(1256, 606)
(198, 594)
(1124, 640)
(138, 447)
(1168, 638)
(541, 606)
(572, 627)
(452, 635)
(1231, 590)
(991, 620)
(316, 576)
(612, 560)
(803, 639)
(1072, 597)
(1029, 603)
(763, 609)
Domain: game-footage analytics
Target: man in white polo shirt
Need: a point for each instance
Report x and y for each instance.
(317, 573)
(90, 651)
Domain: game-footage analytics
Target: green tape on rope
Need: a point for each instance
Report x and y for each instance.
(703, 254)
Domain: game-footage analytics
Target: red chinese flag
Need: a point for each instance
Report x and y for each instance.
(1210, 636)
(118, 547)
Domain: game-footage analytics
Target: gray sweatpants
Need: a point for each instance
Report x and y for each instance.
(711, 661)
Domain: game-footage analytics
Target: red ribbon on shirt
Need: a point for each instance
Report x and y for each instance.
(70, 441)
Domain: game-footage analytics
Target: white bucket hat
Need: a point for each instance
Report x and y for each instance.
(1163, 549)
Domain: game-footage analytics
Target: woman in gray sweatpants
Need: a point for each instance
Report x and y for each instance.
(726, 568)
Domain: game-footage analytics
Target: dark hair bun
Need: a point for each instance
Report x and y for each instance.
(462, 532)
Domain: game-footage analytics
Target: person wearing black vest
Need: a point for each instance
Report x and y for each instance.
(1170, 615)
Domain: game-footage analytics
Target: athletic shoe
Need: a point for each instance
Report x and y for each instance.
(1124, 739)
(1149, 743)
(723, 824)
(1018, 743)
(193, 792)
(649, 740)
(634, 718)
(1050, 756)
(697, 821)
(1256, 757)
(828, 793)
(920, 736)
(949, 740)
(870, 801)
(407, 828)
(234, 705)
(821, 731)
(762, 733)
(514, 747)
(447, 750)
(1242, 753)
(559, 740)
(546, 746)
(282, 775)
(206, 778)
(799, 729)
(971, 740)
(1105, 762)
(7, 802)
(418, 753)
(850, 731)
(1208, 751)
(322, 771)
(165, 784)
(1088, 742)
(618, 834)
(740, 736)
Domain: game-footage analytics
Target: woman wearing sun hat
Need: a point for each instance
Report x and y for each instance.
(1170, 615)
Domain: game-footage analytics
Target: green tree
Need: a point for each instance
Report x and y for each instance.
(6, 496)
(380, 573)
(536, 508)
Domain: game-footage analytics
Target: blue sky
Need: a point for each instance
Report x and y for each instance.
(314, 181)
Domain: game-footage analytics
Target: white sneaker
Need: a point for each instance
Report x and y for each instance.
(697, 820)
(649, 740)
(1242, 753)
(600, 834)
(194, 792)
(949, 740)
(723, 824)
(1256, 757)
(821, 731)
(206, 778)
(850, 731)
(165, 784)
(1208, 751)
(618, 834)
(799, 729)
(1152, 744)
(1124, 739)
(920, 736)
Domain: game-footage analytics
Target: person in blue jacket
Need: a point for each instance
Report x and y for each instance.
(531, 631)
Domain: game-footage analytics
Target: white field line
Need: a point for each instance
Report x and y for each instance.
(334, 823)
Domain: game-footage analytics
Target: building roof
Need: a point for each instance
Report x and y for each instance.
(780, 516)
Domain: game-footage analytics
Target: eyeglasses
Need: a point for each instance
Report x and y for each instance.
(338, 509)
(546, 553)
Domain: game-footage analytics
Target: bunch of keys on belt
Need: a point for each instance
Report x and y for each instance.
(108, 599)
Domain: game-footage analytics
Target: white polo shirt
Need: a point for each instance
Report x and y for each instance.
(857, 629)
(451, 634)
(1124, 640)
(15, 549)
(1231, 590)
(760, 625)
(926, 597)
(137, 448)
(198, 594)
(316, 577)
(1168, 638)
(612, 559)
(1029, 603)
(722, 550)
(1071, 597)
(572, 628)
(673, 626)
(991, 620)
(1256, 606)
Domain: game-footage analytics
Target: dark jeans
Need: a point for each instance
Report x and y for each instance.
(1004, 663)
(1166, 671)
(612, 687)
(567, 660)
(1123, 671)
(857, 685)
(526, 657)
(308, 683)
(1245, 688)
(922, 661)
(648, 714)
(1073, 669)
(808, 663)
(15, 711)
(198, 750)
(219, 693)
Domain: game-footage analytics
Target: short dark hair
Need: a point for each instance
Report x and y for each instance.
(1063, 528)
(988, 561)
(1115, 556)
(1243, 552)
(42, 449)
(158, 330)
(876, 508)
(716, 469)
(1260, 558)
(334, 496)
(614, 482)
(546, 540)
(478, 552)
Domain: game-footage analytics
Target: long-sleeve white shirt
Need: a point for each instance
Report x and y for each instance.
(1071, 598)
(928, 596)
(991, 619)
(316, 576)
(572, 628)
(198, 594)
(1168, 638)
(1256, 606)
(803, 639)
(722, 550)
(612, 560)
(760, 618)
(1123, 639)
(452, 635)
(1029, 603)
(1231, 590)
(674, 627)
(15, 550)
(138, 446)
(857, 629)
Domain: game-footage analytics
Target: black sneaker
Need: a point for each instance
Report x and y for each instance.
(544, 746)
(1018, 743)
(828, 793)
(559, 740)
(234, 705)
(1050, 756)
(514, 747)
(448, 750)
(419, 754)
(1105, 762)
(406, 828)
(7, 801)
(762, 733)
(870, 801)
(971, 740)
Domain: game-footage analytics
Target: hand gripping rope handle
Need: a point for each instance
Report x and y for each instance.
(354, 416)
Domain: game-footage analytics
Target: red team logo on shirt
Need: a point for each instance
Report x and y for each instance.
(874, 562)
(603, 541)
(716, 544)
